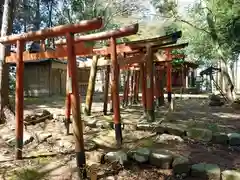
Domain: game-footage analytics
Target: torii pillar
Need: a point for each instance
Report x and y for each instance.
(149, 88)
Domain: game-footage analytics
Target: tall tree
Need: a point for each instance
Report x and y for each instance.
(6, 28)
(212, 27)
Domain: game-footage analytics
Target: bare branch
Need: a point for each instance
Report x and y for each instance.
(192, 25)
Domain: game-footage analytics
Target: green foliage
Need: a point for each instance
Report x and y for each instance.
(211, 28)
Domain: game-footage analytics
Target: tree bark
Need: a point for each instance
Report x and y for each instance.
(91, 86)
(6, 28)
(229, 85)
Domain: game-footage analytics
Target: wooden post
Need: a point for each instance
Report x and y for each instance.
(91, 86)
(135, 87)
(68, 99)
(157, 87)
(106, 88)
(75, 100)
(169, 76)
(161, 85)
(131, 88)
(115, 92)
(126, 89)
(111, 100)
(19, 99)
(149, 90)
(143, 85)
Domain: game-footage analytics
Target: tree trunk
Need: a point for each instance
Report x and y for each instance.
(91, 86)
(228, 82)
(37, 17)
(6, 28)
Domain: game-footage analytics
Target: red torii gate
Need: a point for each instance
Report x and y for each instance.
(68, 31)
(149, 46)
(112, 35)
(78, 44)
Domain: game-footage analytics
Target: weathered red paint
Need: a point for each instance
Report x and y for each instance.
(117, 33)
(157, 86)
(19, 99)
(126, 89)
(169, 75)
(132, 87)
(149, 89)
(115, 92)
(137, 85)
(82, 26)
(75, 103)
(68, 100)
(106, 88)
(143, 85)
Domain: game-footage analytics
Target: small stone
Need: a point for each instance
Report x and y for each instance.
(90, 121)
(110, 178)
(45, 113)
(230, 175)
(103, 124)
(214, 97)
(200, 134)
(141, 155)
(90, 145)
(178, 130)
(144, 127)
(6, 152)
(161, 158)
(27, 138)
(44, 136)
(160, 129)
(65, 143)
(206, 171)
(181, 165)
(216, 103)
(234, 139)
(165, 138)
(220, 138)
(118, 156)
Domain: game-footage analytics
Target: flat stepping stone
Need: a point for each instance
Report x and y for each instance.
(161, 158)
(166, 138)
(145, 127)
(206, 171)
(119, 156)
(220, 138)
(140, 155)
(200, 134)
(230, 175)
(181, 166)
(234, 139)
(175, 129)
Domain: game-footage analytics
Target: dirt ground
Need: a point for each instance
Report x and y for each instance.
(53, 156)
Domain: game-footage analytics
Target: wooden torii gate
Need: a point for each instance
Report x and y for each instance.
(169, 58)
(146, 48)
(110, 35)
(78, 43)
(68, 31)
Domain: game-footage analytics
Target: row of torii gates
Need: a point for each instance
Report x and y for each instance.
(135, 54)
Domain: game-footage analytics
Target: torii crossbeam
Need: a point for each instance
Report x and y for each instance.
(67, 31)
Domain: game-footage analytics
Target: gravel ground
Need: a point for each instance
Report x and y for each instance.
(57, 160)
